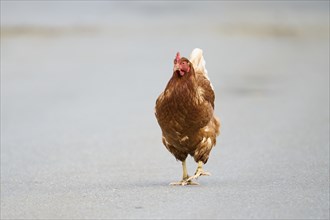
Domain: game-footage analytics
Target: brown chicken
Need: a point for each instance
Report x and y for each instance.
(185, 114)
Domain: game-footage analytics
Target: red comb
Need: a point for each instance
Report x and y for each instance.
(177, 58)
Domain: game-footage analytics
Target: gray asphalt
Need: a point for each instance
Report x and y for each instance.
(79, 81)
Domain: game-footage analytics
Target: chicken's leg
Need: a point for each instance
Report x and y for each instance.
(185, 178)
(199, 172)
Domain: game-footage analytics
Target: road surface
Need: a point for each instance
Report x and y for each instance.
(79, 81)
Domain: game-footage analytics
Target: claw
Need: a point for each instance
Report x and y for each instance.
(198, 174)
(184, 183)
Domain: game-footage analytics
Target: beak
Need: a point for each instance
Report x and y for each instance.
(176, 67)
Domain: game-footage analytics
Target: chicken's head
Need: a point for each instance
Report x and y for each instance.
(181, 65)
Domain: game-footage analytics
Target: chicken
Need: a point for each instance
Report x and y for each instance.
(185, 114)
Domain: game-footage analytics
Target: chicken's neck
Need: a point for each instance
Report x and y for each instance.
(182, 89)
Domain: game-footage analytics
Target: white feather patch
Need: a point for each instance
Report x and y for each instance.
(198, 61)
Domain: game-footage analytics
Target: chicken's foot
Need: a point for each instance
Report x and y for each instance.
(199, 172)
(185, 178)
(184, 183)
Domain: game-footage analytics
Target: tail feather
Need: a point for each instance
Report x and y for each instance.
(197, 59)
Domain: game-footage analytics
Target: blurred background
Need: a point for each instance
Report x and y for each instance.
(79, 80)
